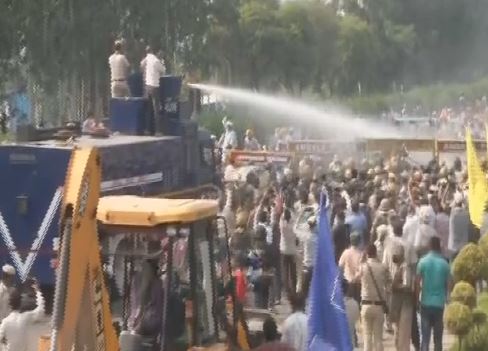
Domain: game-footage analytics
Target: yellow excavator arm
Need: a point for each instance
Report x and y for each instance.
(81, 316)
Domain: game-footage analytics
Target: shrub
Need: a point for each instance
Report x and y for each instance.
(479, 317)
(458, 319)
(475, 340)
(469, 264)
(464, 293)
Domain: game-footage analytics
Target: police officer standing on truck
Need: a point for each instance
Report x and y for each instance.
(153, 69)
(119, 71)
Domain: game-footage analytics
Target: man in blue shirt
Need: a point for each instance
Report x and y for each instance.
(357, 221)
(433, 283)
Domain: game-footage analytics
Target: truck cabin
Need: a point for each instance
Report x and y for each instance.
(175, 243)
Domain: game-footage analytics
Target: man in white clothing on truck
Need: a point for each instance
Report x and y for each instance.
(153, 69)
(119, 71)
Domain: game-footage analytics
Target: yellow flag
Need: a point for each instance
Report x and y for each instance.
(486, 131)
(478, 188)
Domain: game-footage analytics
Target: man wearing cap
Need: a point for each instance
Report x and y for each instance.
(425, 232)
(375, 282)
(7, 284)
(228, 140)
(119, 71)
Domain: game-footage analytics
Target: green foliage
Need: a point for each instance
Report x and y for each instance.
(483, 302)
(332, 48)
(359, 47)
(479, 317)
(468, 264)
(464, 293)
(475, 340)
(477, 337)
(458, 318)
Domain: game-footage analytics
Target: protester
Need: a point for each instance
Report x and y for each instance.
(17, 325)
(352, 309)
(309, 242)
(350, 263)
(295, 328)
(7, 285)
(425, 232)
(250, 141)
(288, 251)
(340, 234)
(240, 280)
(357, 221)
(433, 284)
(442, 227)
(459, 226)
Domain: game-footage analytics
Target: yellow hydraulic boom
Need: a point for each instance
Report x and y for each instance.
(81, 315)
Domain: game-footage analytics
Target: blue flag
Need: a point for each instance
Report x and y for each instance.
(327, 324)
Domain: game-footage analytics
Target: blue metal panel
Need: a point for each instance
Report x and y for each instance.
(128, 115)
(144, 168)
(169, 92)
(30, 175)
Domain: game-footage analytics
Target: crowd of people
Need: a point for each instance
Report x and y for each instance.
(395, 227)
(448, 122)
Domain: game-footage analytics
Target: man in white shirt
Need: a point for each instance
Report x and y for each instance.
(119, 71)
(13, 329)
(228, 140)
(153, 69)
(309, 242)
(295, 328)
(411, 226)
(424, 233)
(350, 262)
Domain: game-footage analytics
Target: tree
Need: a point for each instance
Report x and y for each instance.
(359, 55)
(310, 45)
(262, 38)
